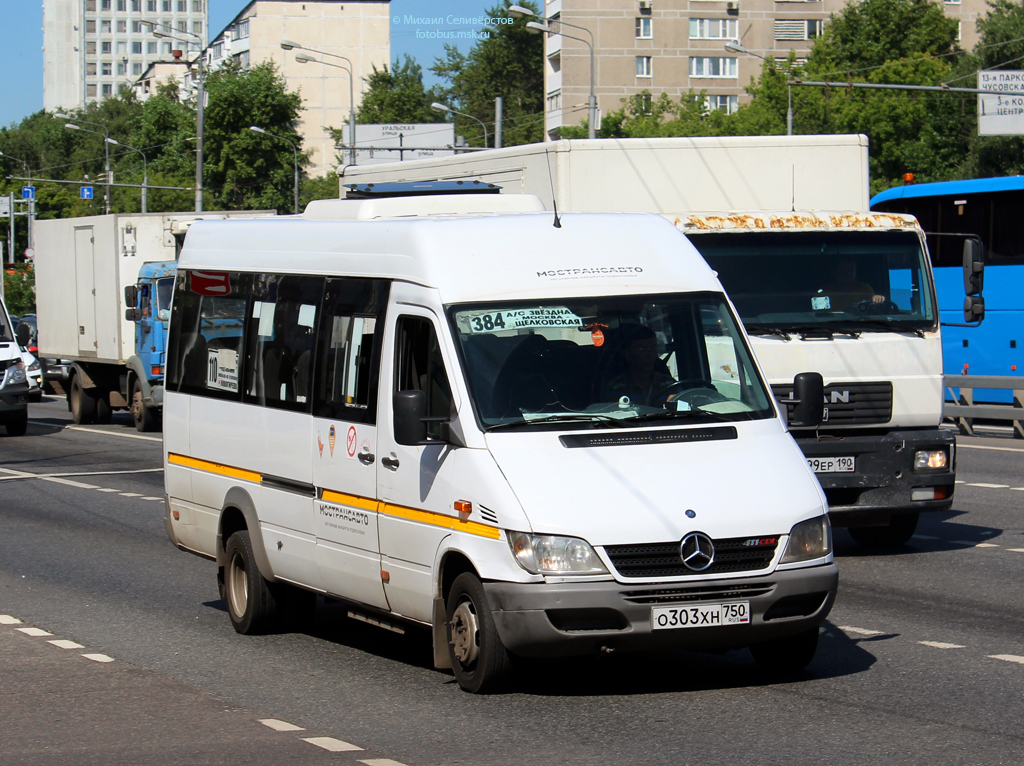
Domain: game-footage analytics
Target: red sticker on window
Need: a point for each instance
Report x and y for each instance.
(210, 283)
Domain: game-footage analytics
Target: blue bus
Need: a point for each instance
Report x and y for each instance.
(991, 209)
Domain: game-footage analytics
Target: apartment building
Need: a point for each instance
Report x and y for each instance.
(673, 46)
(93, 47)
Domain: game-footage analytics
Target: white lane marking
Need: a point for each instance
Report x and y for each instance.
(98, 657)
(65, 474)
(859, 631)
(382, 762)
(44, 477)
(277, 725)
(941, 645)
(131, 494)
(105, 489)
(1016, 550)
(152, 498)
(114, 433)
(1008, 658)
(331, 744)
(1017, 489)
(34, 631)
(981, 446)
(986, 545)
(988, 486)
(6, 619)
(63, 643)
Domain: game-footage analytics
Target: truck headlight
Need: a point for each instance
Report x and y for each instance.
(811, 539)
(549, 554)
(931, 460)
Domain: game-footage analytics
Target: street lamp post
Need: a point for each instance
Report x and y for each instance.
(736, 47)
(106, 151)
(302, 59)
(200, 99)
(295, 150)
(439, 107)
(145, 171)
(537, 27)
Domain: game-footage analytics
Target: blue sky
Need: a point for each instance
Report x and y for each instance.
(21, 39)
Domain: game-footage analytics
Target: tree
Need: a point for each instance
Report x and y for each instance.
(508, 61)
(397, 96)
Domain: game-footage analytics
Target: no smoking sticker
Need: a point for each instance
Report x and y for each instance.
(350, 441)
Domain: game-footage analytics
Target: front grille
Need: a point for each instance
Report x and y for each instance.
(698, 593)
(738, 554)
(849, 403)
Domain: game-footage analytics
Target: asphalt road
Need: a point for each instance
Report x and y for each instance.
(921, 661)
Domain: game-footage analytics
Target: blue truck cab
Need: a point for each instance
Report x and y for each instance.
(148, 304)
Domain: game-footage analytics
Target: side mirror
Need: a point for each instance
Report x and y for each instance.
(410, 412)
(133, 315)
(808, 400)
(131, 295)
(974, 308)
(24, 334)
(974, 269)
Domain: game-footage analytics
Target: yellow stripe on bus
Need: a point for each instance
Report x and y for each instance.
(217, 468)
(441, 520)
(354, 500)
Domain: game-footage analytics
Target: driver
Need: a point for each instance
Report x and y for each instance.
(643, 375)
(845, 290)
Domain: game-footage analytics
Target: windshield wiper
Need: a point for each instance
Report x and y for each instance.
(569, 417)
(672, 414)
(888, 326)
(764, 330)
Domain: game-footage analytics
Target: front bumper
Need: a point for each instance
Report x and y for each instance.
(562, 619)
(13, 398)
(885, 481)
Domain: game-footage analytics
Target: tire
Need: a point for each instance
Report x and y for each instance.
(479, 659)
(784, 656)
(83, 404)
(900, 529)
(103, 411)
(251, 604)
(145, 418)
(19, 425)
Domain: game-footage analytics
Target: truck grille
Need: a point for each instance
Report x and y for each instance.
(850, 403)
(663, 559)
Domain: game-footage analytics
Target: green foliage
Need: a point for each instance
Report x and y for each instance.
(508, 62)
(20, 291)
(323, 187)
(397, 96)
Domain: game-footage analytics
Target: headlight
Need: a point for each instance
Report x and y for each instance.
(931, 460)
(34, 367)
(15, 374)
(811, 539)
(547, 554)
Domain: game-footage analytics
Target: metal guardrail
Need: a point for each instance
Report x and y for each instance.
(960, 406)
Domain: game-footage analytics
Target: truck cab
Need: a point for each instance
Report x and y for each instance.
(148, 304)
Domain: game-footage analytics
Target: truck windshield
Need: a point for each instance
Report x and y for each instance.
(860, 281)
(164, 287)
(607, 362)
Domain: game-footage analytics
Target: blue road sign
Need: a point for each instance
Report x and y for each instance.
(28, 192)
(86, 192)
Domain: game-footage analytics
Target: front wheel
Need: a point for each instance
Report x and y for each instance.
(782, 656)
(19, 425)
(145, 418)
(479, 659)
(900, 529)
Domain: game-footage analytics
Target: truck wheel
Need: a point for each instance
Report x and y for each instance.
(251, 604)
(83, 404)
(145, 418)
(900, 529)
(103, 411)
(782, 656)
(19, 425)
(479, 659)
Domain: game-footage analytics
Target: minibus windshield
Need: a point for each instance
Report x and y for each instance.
(607, 362)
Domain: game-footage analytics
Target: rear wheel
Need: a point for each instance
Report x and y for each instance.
(251, 604)
(103, 410)
(145, 418)
(19, 425)
(900, 529)
(83, 404)
(786, 655)
(479, 659)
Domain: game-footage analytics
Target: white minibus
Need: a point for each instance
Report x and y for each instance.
(537, 435)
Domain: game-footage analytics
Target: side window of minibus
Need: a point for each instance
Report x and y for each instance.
(280, 340)
(204, 356)
(419, 366)
(349, 349)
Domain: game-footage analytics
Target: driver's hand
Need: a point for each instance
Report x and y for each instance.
(878, 299)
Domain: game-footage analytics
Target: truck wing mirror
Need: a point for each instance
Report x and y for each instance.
(974, 308)
(974, 268)
(131, 295)
(133, 315)
(808, 400)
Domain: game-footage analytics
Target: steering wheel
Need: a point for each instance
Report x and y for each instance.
(870, 307)
(675, 391)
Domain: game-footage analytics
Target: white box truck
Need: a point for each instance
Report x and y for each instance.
(103, 289)
(754, 206)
